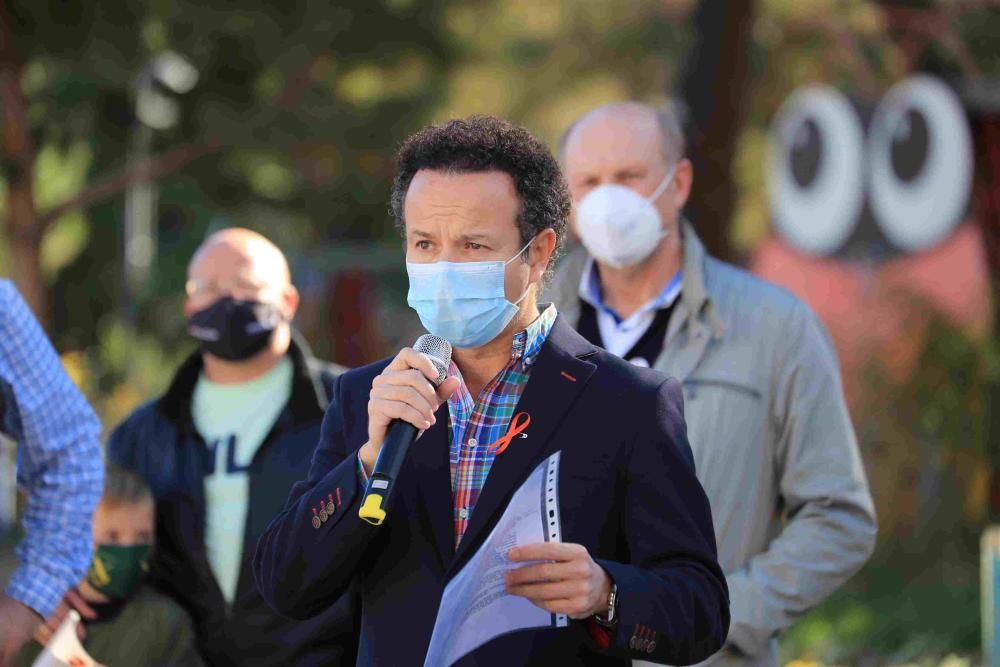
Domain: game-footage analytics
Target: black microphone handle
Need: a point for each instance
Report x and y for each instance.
(375, 503)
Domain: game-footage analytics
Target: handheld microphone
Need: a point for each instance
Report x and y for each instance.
(398, 438)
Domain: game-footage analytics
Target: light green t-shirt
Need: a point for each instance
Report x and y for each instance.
(234, 419)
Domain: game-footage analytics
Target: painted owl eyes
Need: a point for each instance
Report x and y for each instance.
(912, 174)
(920, 153)
(816, 169)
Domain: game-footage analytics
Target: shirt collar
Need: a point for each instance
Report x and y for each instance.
(590, 291)
(527, 342)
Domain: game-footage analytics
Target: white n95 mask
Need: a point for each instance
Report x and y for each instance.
(618, 226)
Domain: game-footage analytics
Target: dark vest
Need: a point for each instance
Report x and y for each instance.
(647, 348)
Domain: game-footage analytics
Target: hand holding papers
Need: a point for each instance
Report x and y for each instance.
(475, 607)
(64, 649)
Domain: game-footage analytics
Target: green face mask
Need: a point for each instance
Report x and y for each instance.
(117, 570)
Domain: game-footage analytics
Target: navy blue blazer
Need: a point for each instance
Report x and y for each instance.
(627, 492)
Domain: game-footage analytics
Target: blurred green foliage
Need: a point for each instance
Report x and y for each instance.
(928, 462)
(301, 107)
(122, 371)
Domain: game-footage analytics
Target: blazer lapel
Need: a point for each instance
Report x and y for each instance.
(432, 469)
(560, 373)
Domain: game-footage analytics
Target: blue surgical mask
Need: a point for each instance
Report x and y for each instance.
(462, 302)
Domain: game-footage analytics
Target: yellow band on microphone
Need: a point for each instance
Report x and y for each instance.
(372, 511)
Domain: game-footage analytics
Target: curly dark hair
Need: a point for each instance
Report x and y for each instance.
(487, 143)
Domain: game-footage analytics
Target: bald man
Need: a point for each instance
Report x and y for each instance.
(773, 443)
(222, 448)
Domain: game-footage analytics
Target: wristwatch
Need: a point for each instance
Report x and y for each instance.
(609, 618)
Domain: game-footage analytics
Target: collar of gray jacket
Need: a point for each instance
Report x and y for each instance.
(694, 292)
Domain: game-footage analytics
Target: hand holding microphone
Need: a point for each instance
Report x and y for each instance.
(402, 403)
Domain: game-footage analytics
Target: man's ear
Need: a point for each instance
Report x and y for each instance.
(540, 253)
(683, 179)
(290, 302)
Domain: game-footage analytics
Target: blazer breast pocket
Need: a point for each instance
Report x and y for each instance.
(587, 499)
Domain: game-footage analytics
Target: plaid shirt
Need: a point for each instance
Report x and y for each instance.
(475, 425)
(60, 463)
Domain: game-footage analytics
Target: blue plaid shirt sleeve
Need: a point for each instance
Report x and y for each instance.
(60, 464)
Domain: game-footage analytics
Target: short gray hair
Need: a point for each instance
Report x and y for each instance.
(669, 119)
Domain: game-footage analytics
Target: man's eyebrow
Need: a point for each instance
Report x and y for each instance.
(470, 237)
(474, 237)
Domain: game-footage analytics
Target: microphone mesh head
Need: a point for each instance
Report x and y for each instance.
(439, 351)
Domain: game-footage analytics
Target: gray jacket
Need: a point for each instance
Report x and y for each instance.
(772, 440)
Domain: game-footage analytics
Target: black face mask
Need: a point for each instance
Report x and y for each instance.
(234, 330)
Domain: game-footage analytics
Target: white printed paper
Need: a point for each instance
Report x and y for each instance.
(475, 607)
(64, 649)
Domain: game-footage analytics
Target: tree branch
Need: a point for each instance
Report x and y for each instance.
(19, 151)
(151, 169)
(15, 139)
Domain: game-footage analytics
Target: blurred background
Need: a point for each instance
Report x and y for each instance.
(130, 130)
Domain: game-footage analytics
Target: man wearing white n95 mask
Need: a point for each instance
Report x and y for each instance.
(767, 422)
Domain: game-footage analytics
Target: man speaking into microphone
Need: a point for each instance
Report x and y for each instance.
(483, 209)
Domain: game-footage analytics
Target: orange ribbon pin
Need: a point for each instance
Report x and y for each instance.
(517, 424)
